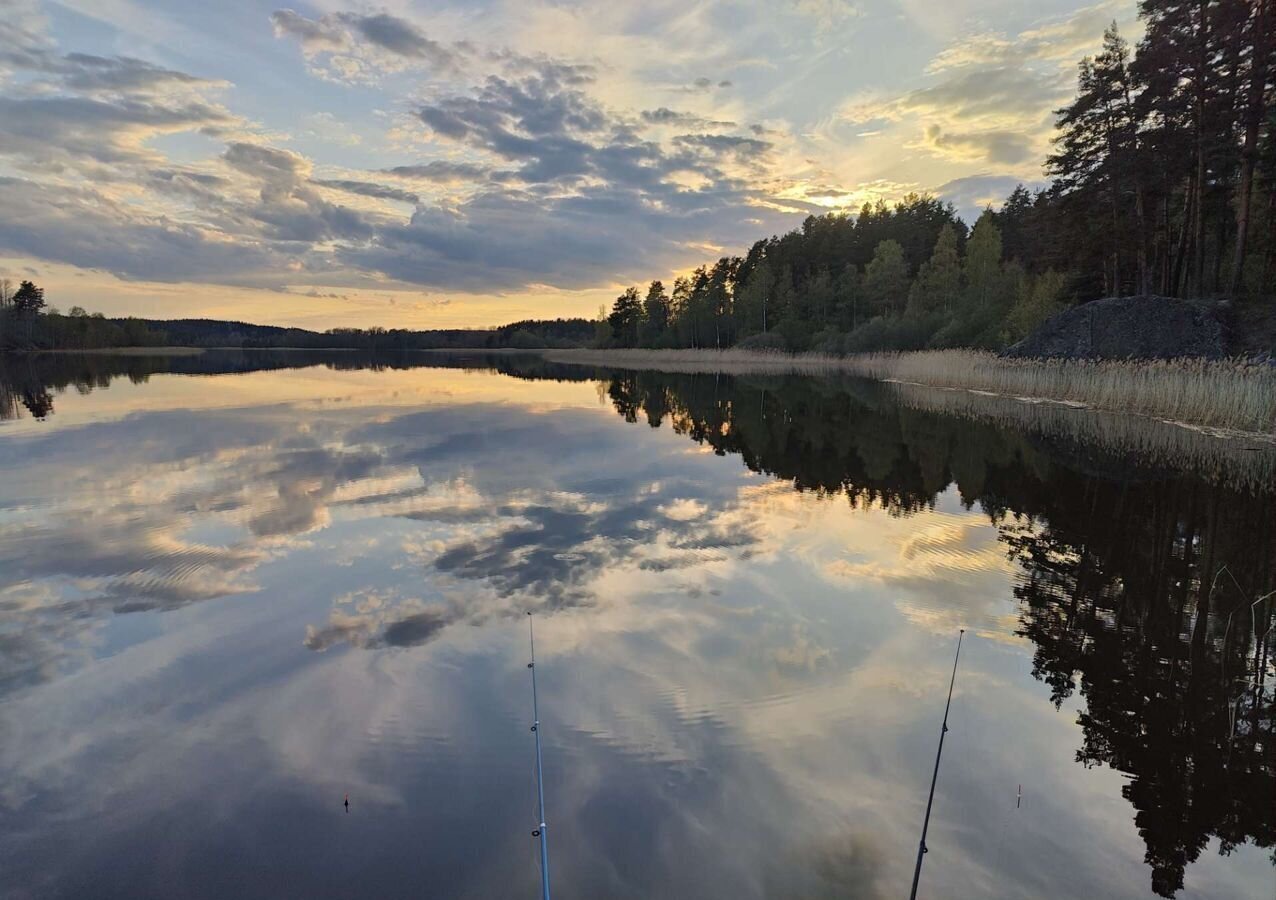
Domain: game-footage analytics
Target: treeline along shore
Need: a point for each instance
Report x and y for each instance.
(28, 323)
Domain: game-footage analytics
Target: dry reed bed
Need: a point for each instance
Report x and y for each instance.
(1246, 466)
(1227, 394)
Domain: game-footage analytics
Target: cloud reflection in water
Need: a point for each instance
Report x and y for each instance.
(740, 679)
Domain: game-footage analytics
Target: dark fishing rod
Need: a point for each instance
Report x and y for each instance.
(540, 780)
(921, 847)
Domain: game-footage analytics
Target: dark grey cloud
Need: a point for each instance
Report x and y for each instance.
(398, 36)
(725, 143)
(63, 128)
(24, 49)
(548, 126)
(701, 85)
(91, 74)
(199, 187)
(310, 33)
(506, 240)
(369, 189)
(587, 198)
(540, 65)
(666, 116)
(289, 209)
(80, 227)
(440, 171)
(390, 36)
(268, 163)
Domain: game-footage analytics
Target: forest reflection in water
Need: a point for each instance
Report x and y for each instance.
(1144, 586)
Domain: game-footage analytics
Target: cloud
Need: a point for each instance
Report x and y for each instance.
(400, 37)
(974, 193)
(82, 227)
(528, 176)
(702, 85)
(346, 45)
(725, 143)
(71, 129)
(288, 209)
(997, 95)
(370, 189)
(93, 74)
(311, 34)
(666, 116)
(1062, 40)
(1003, 147)
(267, 163)
(440, 171)
(992, 94)
(586, 200)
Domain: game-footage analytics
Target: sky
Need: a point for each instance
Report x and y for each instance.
(437, 163)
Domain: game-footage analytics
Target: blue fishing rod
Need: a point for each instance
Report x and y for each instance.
(540, 779)
(921, 847)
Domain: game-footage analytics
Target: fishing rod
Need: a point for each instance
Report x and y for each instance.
(540, 780)
(921, 847)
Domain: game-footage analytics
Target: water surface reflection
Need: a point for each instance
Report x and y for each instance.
(226, 601)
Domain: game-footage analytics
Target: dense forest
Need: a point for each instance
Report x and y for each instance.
(27, 323)
(1163, 182)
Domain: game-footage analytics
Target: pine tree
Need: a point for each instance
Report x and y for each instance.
(28, 299)
(626, 318)
(1260, 46)
(1188, 68)
(1095, 163)
(655, 309)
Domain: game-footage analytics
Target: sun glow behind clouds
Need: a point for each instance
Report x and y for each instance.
(417, 169)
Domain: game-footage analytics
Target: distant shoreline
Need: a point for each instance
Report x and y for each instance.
(1222, 397)
(117, 351)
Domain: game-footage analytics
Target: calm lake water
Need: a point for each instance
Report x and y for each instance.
(236, 588)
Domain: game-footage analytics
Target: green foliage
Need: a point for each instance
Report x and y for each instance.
(886, 279)
(626, 319)
(983, 262)
(938, 282)
(1038, 299)
(28, 300)
(770, 340)
(522, 339)
(892, 333)
(655, 314)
